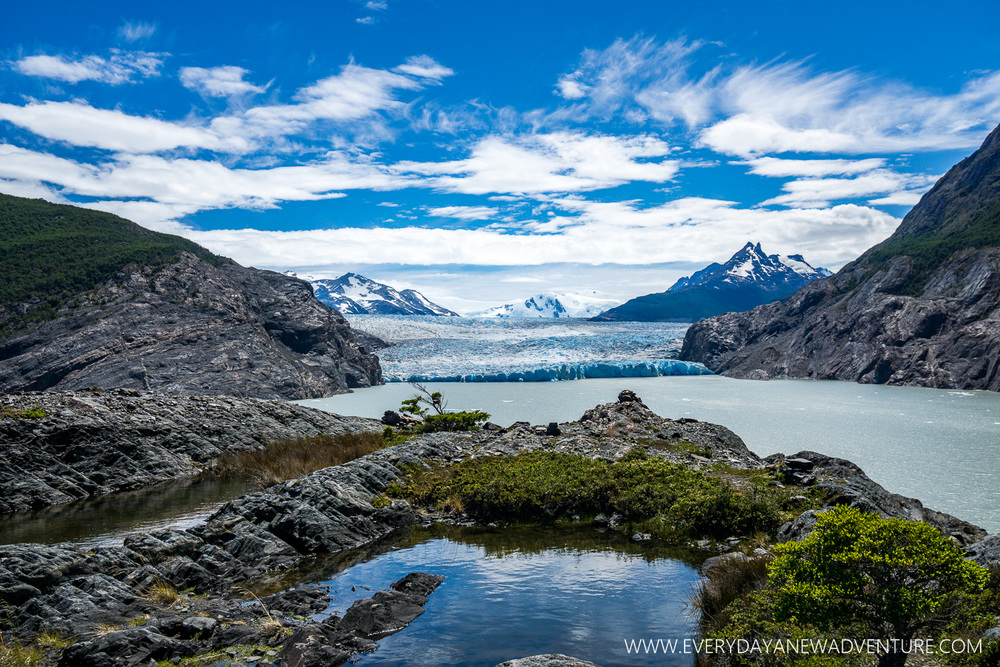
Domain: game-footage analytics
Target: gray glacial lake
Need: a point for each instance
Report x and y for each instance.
(937, 445)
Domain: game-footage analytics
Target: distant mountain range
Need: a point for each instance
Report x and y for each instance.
(353, 294)
(921, 308)
(748, 279)
(551, 306)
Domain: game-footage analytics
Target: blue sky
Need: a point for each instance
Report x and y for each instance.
(481, 152)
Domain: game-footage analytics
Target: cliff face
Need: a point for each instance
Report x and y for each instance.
(922, 308)
(192, 326)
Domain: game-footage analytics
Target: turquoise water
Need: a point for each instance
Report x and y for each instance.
(940, 446)
(515, 592)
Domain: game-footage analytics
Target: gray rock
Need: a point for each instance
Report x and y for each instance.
(799, 528)
(123, 439)
(192, 327)
(986, 551)
(198, 627)
(548, 660)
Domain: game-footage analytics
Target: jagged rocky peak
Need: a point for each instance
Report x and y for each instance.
(99, 301)
(747, 279)
(550, 305)
(921, 308)
(354, 294)
(752, 265)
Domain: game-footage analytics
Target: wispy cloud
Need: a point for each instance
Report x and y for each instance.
(779, 167)
(777, 107)
(463, 212)
(819, 192)
(225, 81)
(120, 67)
(133, 31)
(424, 67)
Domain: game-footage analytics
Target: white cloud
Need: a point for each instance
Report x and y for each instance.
(787, 108)
(818, 192)
(224, 81)
(83, 125)
(463, 212)
(571, 89)
(355, 93)
(132, 31)
(365, 20)
(546, 163)
(424, 67)
(902, 198)
(121, 67)
(689, 230)
(778, 167)
(376, 5)
(171, 188)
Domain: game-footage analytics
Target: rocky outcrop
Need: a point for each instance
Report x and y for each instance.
(844, 483)
(61, 447)
(192, 327)
(922, 308)
(78, 592)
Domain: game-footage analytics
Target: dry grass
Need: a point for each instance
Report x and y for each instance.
(162, 592)
(53, 640)
(106, 628)
(729, 581)
(15, 654)
(288, 459)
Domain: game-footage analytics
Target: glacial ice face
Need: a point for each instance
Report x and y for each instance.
(429, 349)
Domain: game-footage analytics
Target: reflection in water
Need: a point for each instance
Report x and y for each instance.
(520, 591)
(108, 520)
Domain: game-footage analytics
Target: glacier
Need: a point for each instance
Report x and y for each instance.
(435, 349)
(617, 369)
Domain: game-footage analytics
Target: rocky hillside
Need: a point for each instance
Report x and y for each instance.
(61, 447)
(748, 279)
(922, 308)
(89, 299)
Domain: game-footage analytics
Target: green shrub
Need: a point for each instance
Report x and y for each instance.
(673, 500)
(892, 577)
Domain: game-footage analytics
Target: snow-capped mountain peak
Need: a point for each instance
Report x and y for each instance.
(748, 279)
(354, 294)
(550, 305)
(752, 266)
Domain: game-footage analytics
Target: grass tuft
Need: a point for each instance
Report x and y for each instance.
(162, 593)
(288, 459)
(729, 581)
(15, 654)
